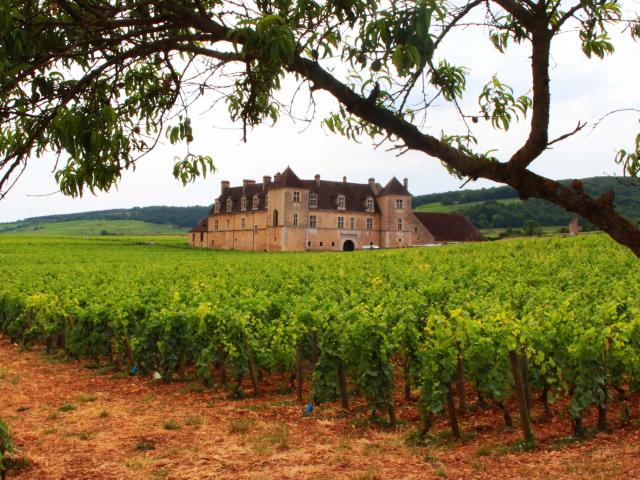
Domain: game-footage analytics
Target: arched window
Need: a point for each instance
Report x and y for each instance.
(256, 202)
(275, 218)
(243, 203)
(313, 199)
(369, 204)
(229, 204)
(341, 202)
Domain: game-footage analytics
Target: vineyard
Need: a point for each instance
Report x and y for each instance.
(539, 321)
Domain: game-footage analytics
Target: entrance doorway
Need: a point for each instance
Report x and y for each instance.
(348, 246)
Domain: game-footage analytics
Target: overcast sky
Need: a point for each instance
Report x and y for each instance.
(582, 89)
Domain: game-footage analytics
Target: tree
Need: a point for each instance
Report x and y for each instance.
(100, 80)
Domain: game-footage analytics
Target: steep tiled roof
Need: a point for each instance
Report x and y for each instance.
(203, 226)
(394, 187)
(287, 179)
(236, 194)
(355, 194)
(449, 227)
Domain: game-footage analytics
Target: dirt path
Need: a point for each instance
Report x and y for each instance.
(72, 422)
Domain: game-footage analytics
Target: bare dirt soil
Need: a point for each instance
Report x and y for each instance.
(73, 422)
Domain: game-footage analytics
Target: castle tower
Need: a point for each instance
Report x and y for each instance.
(396, 221)
(287, 212)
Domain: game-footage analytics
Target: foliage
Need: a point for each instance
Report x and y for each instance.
(166, 309)
(6, 445)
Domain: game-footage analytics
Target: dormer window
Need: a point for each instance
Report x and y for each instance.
(243, 204)
(399, 204)
(229, 204)
(341, 202)
(216, 207)
(256, 202)
(313, 199)
(296, 197)
(369, 204)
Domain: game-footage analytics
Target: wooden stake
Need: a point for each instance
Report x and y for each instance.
(342, 383)
(522, 401)
(299, 371)
(462, 405)
(453, 416)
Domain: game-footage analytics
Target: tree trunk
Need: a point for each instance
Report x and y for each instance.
(253, 372)
(525, 377)
(223, 368)
(407, 381)
(508, 421)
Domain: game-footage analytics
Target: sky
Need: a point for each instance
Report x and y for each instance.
(581, 89)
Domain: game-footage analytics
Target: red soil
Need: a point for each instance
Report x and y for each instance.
(133, 427)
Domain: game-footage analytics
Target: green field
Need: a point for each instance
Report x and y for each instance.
(91, 228)
(355, 326)
(456, 207)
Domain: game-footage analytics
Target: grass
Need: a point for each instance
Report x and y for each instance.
(67, 407)
(86, 397)
(93, 228)
(371, 473)
(240, 425)
(146, 445)
(439, 207)
(275, 437)
(103, 414)
(193, 421)
(171, 425)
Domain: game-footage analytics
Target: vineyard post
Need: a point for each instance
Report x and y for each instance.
(453, 416)
(407, 380)
(522, 401)
(342, 382)
(253, 372)
(460, 386)
(223, 369)
(314, 347)
(299, 371)
(525, 376)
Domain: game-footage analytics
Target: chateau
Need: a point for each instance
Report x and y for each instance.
(290, 214)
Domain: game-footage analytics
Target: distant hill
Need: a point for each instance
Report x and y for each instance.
(143, 220)
(91, 227)
(500, 207)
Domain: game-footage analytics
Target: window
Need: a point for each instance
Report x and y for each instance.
(295, 219)
(256, 202)
(399, 224)
(243, 204)
(313, 199)
(399, 203)
(242, 223)
(229, 204)
(333, 244)
(228, 223)
(352, 223)
(321, 244)
(369, 204)
(296, 197)
(341, 202)
(193, 237)
(340, 222)
(313, 221)
(369, 223)
(215, 225)
(216, 208)
(275, 218)
(308, 244)
(201, 236)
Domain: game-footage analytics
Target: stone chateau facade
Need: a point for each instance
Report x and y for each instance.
(290, 214)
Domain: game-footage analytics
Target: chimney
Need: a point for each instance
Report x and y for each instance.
(246, 183)
(266, 180)
(344, 179)
(372, 183)
(276, 176)
(317, 179)
(224, 184)
(406, 183)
